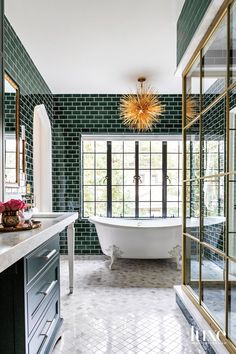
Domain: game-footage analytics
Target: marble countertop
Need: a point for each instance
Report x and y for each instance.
(15, 245)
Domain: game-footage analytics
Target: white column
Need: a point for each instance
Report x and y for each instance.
(71, 254)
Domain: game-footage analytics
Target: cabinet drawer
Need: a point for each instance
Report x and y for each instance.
(41, 293)
(39, 259)
(42, 335)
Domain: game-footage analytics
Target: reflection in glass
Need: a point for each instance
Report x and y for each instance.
(232, 301)
(193, 92)
(213, 285)
(213, 135)
(213, 212)
(232, 216)
(232, 130)
(232, 43)
(214, 64)
(193, 208)
(192, 151)
(192, 264)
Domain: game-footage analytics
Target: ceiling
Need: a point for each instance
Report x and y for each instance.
(99, 46)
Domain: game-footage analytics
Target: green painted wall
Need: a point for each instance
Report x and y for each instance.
(189, 20)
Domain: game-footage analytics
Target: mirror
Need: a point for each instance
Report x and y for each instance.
(12, 137)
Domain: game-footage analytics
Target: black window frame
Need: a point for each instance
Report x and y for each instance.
(164, 153)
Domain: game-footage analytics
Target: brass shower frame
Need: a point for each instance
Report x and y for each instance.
(223, 333)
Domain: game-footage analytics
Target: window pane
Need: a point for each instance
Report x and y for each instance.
(145, 177)
(117, 209)
(129, 193)
(172, 193)
(172, 209)
(88, 160)
(144, 146)
(101, 193)
(101, 177)
(88, 209)
(117, 193)
(117, 177)
(129, 160)
(156, 146)
(129, 146)
(144, 210)
(214, 64)
(173, 177)
(156, 177)
(101, 209)
(156, 209)
(117, 146)
(156, 161)
(89, 193)
(144, 161)
(101, 161)
(117, 161)
(88, 146)
(10, 176)
(101, 146)
(144, 193)
(213, 134)
(173, 146)
(172, 161)
(193, 92)
(156, 193)
(192, 264)
(89, 177)
(129, 177)
(213, 285)
(129, 209)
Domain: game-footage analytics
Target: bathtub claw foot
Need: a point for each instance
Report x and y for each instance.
(114, 252)
(176, 253)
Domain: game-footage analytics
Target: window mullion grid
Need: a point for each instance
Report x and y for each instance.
(164, 179)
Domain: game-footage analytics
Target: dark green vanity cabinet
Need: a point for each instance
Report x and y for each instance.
(30, 302)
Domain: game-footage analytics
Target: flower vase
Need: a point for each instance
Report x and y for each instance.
(10, 218)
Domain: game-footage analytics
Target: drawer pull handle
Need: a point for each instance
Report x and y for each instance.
(46, 334)
(50, 255)
(49, 288)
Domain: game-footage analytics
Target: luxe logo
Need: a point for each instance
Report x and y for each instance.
(204, 336)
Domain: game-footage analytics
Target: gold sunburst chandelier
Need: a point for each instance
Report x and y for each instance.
(191, 109)
(142, 110)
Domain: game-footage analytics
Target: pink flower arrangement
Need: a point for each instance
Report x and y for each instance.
(12, 205)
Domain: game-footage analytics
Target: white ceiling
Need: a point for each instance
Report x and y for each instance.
(99, 46)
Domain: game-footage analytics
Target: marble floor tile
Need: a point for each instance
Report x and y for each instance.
(129, 310)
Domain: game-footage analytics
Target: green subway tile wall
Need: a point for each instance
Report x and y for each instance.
(71, 115)
(189, 20)
(79, 114)
(33, 89)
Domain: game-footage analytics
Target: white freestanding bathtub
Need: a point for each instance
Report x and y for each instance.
(139, 238)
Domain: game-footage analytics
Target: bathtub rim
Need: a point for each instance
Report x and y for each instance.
(100, 221)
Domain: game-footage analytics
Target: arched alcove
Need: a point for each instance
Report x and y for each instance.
(42, 159)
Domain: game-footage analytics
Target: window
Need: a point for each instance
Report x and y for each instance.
(131, 177)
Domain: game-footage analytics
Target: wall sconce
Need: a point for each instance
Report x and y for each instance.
(23, 148)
